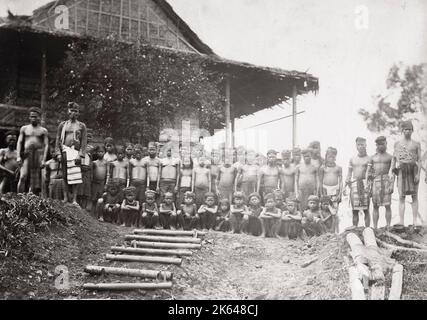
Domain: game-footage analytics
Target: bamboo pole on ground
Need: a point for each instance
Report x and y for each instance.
(166, 245)
(407, 242)
(194, 233)
(396, 282)
(150, 259)
(398, 248)
(154, 274)
(160, 252)
(162, 238)
(377, 272)
(127, 286)
(357, 290)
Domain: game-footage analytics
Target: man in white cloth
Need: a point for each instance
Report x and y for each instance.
(70, 146)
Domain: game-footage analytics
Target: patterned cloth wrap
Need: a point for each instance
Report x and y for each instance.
(405, 179)
(359, 195)
(380, 193)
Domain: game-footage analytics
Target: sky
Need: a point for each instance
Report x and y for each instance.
(348, 44)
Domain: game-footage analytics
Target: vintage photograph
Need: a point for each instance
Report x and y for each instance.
(213, 150)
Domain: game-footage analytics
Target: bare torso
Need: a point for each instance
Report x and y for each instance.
(307, 175)
(99, 170)
(119, 169)
(381, 163)
(269, 176)
(34, 137)
(73, 132)
(169, 169)
(227, 176)
(287, 177)
(186, 176)
(249, 172)
(10, 156)
(153, 167)
(359, 165)
(331, 175)
(138, 169)
(201, 177)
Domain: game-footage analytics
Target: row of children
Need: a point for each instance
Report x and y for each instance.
(276, 218)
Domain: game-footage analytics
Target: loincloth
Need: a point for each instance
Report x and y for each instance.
(248, 187)
(359, 195)
(97, 189)
(200, 194)
(34, 157)
(74, 173)
(332, 191)
(141, 186)
(380, 193)
(304, 193)
(405, 179)
(225, 192)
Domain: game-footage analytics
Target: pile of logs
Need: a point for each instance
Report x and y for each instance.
(371, 263)
(148, 246)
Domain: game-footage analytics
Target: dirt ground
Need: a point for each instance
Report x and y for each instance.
(229, 266)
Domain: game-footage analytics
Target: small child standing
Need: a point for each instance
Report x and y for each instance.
(291, 220)
(84, 190)
(251, 222)
(167, 213)
(207, 212)
(118, 171)
(188, 212)
(54, 178)
(185, 179)
(329, 214)
(150, 211)
(222, 219)
(237, 211)
(109, 155)
(312, 219)
(129, 211)
(270, 217)
(99, 176)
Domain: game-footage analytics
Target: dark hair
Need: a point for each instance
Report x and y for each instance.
(226, 202)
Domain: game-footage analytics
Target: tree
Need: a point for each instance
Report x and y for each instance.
(406, 98)
(127, 89)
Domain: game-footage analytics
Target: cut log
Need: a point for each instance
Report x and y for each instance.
(369, 237)
(396, 282)
(166, 245)
(405, 242)
(160, 252)
(194, 233)
(357, 290)
(153, 274)
(127, 286)
(364, 274)
(357, 248)
(398, 248)
(150, 259)
(163, 238)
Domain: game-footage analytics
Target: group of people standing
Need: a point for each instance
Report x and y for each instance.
(283, 196)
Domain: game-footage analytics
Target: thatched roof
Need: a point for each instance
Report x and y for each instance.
(253, 88)
(188, 33)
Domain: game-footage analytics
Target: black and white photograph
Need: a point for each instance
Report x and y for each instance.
(193, 150)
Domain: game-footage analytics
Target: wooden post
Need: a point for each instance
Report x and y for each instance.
(152, 274)
(43, 90)
(162, 238)
(166, 245)
(160, 252)
(357, 290)
(233, 132)
(166, 232)
(149, 259)
(294, 116)
(396, 282)
(127, 286)
(227, 111)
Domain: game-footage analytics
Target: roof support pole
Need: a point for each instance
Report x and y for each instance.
(227, 111)
(233, 129)
(294, 116)
(43, 86)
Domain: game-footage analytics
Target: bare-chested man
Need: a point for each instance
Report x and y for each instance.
(306, 180)
(169, 172)
(382, 184)
(214, 167)
(269, 175)
(138, 174)
(32, 148)
(8, 158)
(296, 156)
(359, 189)
(153, 169)
(226, 177)
(287, 175)
(247, 174)
(70, 147)
(330, 181)
(406, 165)
(201, 181)
(118, 172)
(316, 157)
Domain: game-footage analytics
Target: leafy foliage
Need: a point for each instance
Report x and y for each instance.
(21, 216)
(410, 84)
(128, 89)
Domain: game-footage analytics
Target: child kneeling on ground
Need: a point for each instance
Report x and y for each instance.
(207, 212)
(129, 211)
